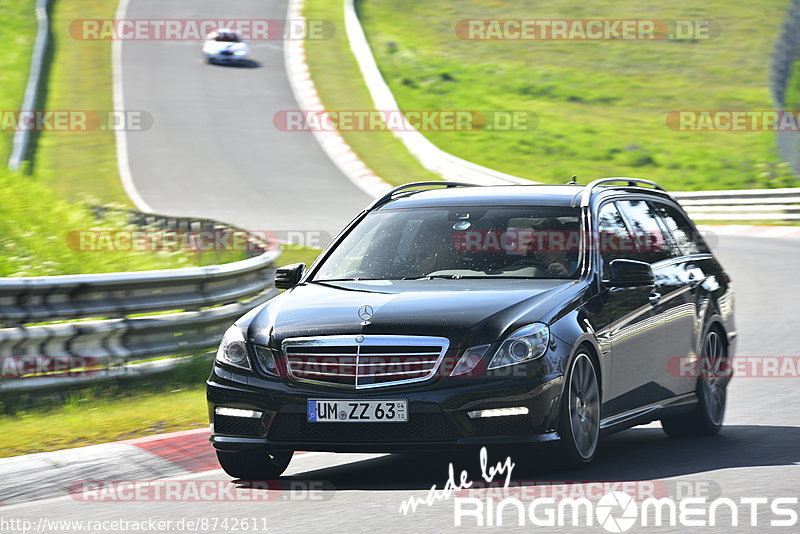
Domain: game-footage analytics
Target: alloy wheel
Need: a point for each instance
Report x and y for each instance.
(584, 406)
(715, 374)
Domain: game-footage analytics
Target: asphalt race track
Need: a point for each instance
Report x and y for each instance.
(213, 152)
(756, 455)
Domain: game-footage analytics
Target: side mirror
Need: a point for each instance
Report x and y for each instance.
(630, 273)
(289, 276)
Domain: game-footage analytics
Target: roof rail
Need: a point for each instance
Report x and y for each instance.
(586, 194)
(414, 185)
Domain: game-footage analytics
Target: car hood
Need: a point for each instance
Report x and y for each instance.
(465, 311)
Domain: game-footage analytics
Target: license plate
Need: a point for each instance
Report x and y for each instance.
(360, 411)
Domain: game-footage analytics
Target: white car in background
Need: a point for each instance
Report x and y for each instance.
(225, 47)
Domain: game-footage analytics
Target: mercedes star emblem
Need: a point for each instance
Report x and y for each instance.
(365, 314)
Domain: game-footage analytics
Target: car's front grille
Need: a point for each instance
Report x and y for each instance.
(421, 427)
(361, 362)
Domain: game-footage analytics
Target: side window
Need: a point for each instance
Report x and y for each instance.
(651, 243)
(613, 239)
(685, 236)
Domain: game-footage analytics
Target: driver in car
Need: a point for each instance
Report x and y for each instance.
(552, 246)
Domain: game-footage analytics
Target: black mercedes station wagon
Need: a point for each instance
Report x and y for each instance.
(448, 316)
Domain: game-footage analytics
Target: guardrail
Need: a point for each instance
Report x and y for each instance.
(102, 312)
(748, 204)
(21, 137)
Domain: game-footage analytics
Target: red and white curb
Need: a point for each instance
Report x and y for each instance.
(189, 449)
(308, 99)
(49, 474)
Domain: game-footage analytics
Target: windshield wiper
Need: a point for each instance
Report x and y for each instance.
(434, 276)
(346, 279)
(472, 277)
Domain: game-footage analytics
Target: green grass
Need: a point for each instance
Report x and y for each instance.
(77, 164)
(35, 226)
(17, 33)
(89, 421)
(792, 96)
(115, 410)
(339, 82)
(296, 254)
(601, 105)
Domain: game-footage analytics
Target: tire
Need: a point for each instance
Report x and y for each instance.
(579, 426)
(711, 391)
(254, 464)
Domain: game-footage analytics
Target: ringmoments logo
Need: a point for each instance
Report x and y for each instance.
(619, 511)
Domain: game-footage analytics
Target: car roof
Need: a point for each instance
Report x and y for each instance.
(566, 195)
(548, 195)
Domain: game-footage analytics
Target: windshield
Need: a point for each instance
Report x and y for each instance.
(227, 37)
(468, 242)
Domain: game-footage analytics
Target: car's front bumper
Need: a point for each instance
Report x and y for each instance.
(437, 418)
(226, 59)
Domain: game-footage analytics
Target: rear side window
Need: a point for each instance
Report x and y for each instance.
(613, 240)
(651, 243)
(687, 239)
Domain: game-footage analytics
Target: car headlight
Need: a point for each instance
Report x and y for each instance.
(527, 343)
(232, 350)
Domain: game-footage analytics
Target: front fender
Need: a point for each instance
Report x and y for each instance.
(574, 329)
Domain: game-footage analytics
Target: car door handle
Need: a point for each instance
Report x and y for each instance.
(655, 297)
